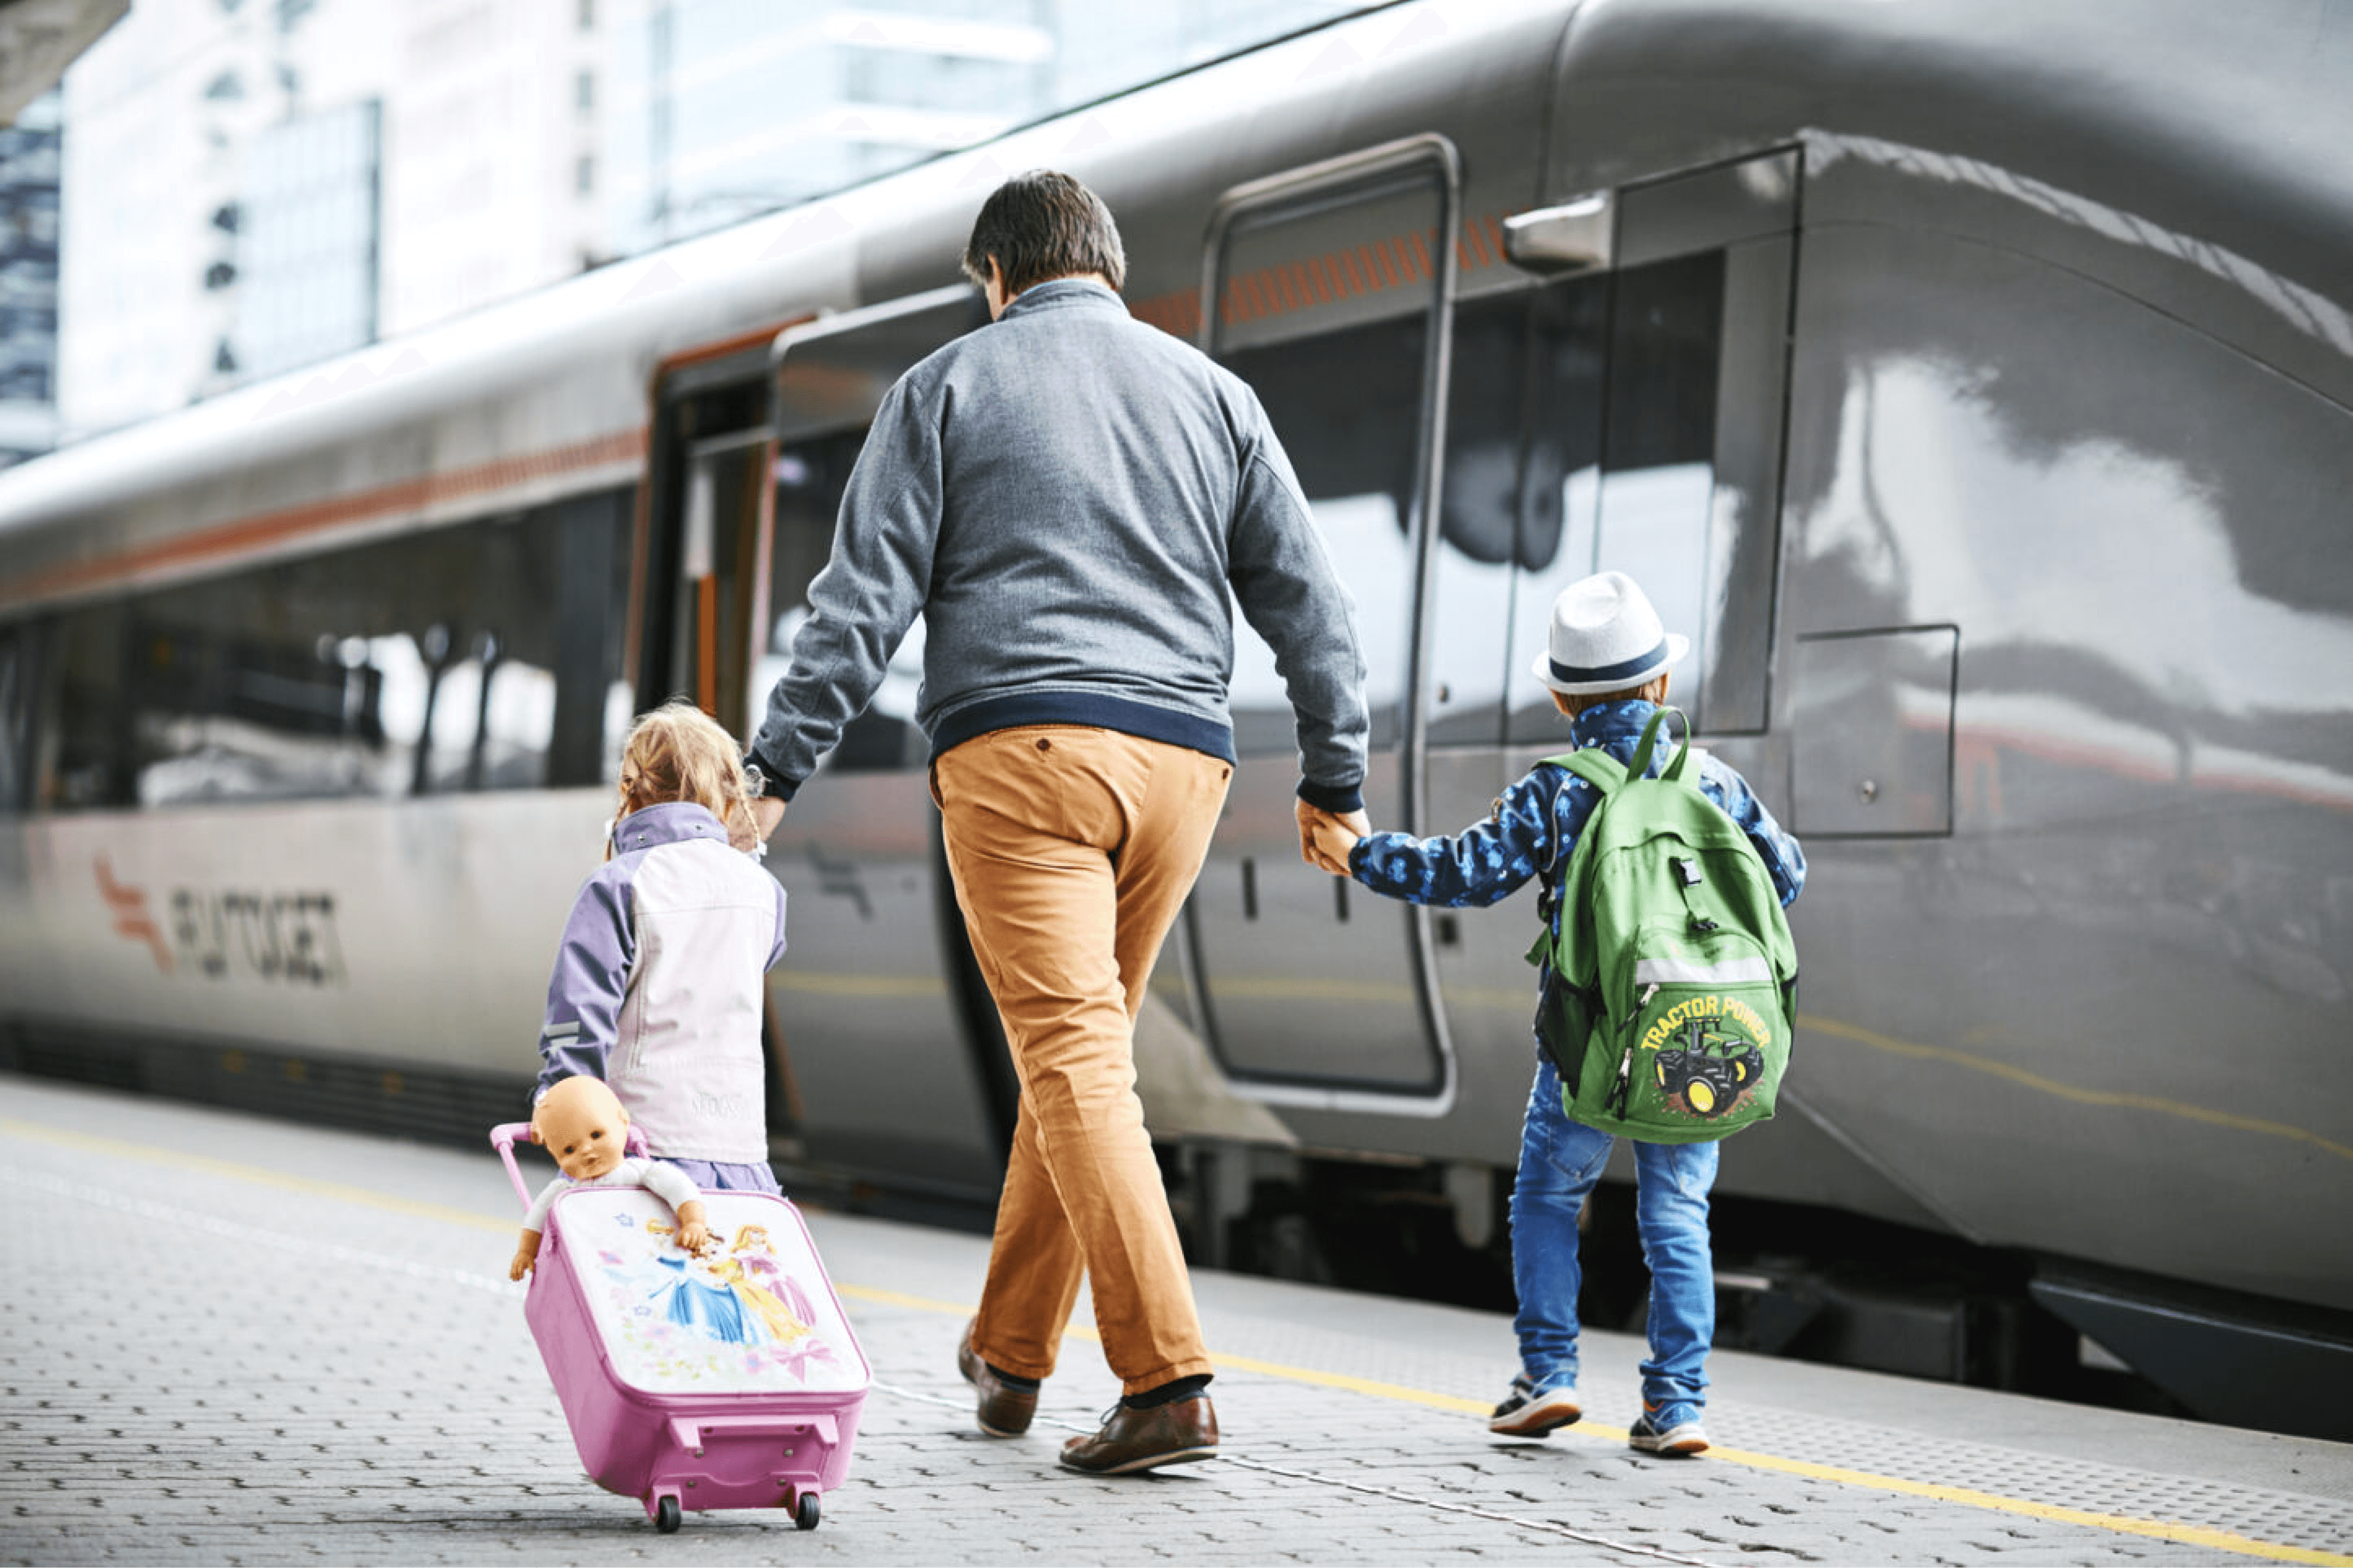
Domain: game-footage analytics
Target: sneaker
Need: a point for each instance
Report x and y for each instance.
(1525, 1412)
(1670, 1429)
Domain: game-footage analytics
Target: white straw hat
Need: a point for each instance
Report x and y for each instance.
(1606, 638)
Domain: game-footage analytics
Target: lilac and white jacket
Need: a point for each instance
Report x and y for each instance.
(658, 987)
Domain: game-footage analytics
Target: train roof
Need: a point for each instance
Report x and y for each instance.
(2222, 123)
(2229, 124)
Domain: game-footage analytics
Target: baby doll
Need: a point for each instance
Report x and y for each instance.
(583, 1125)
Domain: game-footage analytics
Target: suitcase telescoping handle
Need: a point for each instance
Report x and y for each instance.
(689, 1431)
(507, 1134)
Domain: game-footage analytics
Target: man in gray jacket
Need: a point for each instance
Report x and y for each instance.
(1074, 501)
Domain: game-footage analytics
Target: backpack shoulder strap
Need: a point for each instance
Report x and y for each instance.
(1605, 774)
(1595, 766)
(1567, 761)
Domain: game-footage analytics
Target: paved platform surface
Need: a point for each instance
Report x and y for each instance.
(234, 1340)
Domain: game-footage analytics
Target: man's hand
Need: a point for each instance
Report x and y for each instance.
(1325, 837)
(766, 812)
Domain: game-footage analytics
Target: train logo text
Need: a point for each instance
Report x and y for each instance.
(279, 938)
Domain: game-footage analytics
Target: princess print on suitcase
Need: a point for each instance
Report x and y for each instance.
(675, 1321)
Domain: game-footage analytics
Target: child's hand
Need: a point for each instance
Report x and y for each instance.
(1326, 839)
(766, 812)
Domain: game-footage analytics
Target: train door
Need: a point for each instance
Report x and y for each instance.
(894, 1055)
(1329, 289)
(707, 510)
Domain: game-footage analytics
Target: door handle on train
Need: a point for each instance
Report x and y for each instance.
(688, 1431)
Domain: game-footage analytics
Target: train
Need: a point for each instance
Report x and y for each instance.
(1971, 379)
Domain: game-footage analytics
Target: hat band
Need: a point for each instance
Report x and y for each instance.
(1625, 669)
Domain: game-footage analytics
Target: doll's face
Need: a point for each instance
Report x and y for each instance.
(585, 1133)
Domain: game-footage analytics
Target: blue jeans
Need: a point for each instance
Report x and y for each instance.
(1560, 1160)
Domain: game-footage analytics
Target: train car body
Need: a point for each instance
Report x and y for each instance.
(1971, 381)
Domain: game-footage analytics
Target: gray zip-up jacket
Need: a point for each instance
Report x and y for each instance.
(658, 985)
(1066, 495)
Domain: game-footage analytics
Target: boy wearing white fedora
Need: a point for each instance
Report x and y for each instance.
(1607, 663)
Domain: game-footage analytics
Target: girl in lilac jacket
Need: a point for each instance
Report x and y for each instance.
(658, 985)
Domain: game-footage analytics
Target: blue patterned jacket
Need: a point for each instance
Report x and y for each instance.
(1536, 823)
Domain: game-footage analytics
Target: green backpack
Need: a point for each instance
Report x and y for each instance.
(1674, 978)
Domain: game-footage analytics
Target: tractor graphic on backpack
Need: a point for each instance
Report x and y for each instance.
(1711, 1072)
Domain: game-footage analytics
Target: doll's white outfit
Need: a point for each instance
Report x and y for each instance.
(665, 1181)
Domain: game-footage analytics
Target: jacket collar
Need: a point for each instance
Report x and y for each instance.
(1057, 293)
(1607, 722)
(672, 822)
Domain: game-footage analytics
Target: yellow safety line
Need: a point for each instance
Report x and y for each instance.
(900, 1298)
(254, 1174)
(2153, 1529)
(1878, 1042)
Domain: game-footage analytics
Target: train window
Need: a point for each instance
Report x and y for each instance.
(472, 658)
(16, 713)
(1483, 496)
(81, 758)
(1568, 346)
(1657, 434)
(594, 699)
(810, 477)
(1658, 444)
(1324, 309)
(1346, 406)
(710, 514)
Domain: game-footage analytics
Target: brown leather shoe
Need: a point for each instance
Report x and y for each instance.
(1176, 1433)
(1005, 1410)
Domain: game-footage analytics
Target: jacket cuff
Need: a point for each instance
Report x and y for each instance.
(774, 784)
(1338, 798)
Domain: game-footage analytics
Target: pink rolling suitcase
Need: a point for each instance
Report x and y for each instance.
(727, 1381)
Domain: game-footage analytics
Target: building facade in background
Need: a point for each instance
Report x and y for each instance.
(255, 185)
(28, 281)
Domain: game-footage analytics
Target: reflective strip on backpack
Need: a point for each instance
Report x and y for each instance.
(1683, 972)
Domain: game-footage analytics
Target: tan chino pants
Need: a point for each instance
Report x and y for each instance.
(1072, 851)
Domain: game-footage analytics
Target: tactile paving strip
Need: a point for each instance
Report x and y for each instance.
(2291, 1519)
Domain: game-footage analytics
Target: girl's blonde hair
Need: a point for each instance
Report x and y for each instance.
(679, 752)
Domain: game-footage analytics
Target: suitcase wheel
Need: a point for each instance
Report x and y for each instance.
(804, 1512)
(666, 1516)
